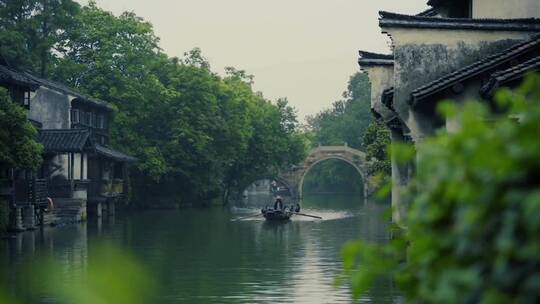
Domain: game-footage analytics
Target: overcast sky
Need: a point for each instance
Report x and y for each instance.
(301, 49)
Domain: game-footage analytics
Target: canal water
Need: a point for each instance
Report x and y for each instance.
(205, 256)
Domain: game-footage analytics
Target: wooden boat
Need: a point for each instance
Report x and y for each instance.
(276, 215)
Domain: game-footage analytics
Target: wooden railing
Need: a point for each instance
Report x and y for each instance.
(61, 189)
(25, 192)
(38, 192)
(106, 188)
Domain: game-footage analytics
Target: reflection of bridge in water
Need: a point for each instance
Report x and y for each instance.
(293, 178)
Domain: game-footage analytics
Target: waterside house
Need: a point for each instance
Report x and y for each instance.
(459, 50)
(80, 172)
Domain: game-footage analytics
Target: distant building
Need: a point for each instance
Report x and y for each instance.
(80, 171)
(459, 50)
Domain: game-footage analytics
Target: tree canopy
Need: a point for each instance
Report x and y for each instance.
(345, 123)
(18, 146)
(31, 30)
(196, 134)
(347, 120)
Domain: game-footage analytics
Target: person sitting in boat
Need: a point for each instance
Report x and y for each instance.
(278, 204)
(294, 208)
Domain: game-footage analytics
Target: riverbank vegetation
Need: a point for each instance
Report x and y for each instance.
(473, 222)
(19, 148)
(197, 134)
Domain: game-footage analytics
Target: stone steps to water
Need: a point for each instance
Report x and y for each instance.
(65, 211)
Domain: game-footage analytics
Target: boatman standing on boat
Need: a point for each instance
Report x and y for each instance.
(278, 204)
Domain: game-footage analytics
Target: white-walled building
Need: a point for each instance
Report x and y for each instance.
(459, 50)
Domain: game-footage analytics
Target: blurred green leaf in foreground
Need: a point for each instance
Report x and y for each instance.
(109, 276)
(473, 221)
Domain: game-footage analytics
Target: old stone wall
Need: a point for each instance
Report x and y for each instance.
(421, 56)
(381, 78)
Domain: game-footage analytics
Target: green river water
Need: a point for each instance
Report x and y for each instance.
(203, 256)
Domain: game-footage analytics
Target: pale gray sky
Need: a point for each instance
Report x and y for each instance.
(301, 49)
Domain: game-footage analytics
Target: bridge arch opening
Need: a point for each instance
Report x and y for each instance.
(353, 177)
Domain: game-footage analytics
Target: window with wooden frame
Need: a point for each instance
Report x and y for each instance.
(100, 121)
(26, 99)
(75, 116)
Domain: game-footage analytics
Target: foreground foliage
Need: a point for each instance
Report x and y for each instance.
(111, 275)
(473, 226)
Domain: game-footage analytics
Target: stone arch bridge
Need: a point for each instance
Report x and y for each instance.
(293, 178)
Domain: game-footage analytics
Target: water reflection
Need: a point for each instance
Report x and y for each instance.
(202, 256)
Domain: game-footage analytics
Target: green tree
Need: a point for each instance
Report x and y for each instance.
(376, 141)
(473, 224)
(195, 133)
(348, 119)
(31, 31)
(18, 146)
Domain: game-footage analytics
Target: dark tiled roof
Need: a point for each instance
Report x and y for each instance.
(76, 140)
(10, 75)
(64, 140)
(373, 59)
(474, 69)
(375, 114)
(67, 90)
(443, 2)
(388, 19)
(387, 98)
(428, 13)
(503, 77)
(108, 152)
(439, 2)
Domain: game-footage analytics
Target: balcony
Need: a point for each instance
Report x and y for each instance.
(33, 191)
(67, 188)
(107, 188)
(99, 135)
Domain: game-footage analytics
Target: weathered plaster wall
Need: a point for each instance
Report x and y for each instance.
(506, 9)
(471, 92)
(51, 108)
(60, 161)
(423, 55)
(381, 78)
